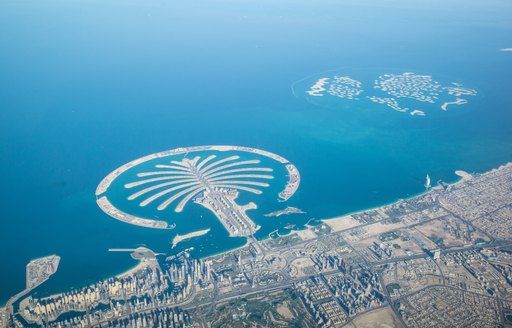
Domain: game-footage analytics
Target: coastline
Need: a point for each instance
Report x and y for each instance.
(335, 222)
(139, 267)
(143, 264)
(461, 176)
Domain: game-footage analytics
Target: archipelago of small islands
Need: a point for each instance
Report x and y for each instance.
(399, 92)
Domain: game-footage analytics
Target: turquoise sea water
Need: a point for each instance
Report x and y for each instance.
(86, 86)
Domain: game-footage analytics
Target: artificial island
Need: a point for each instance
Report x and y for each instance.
(209, 179)
(398, 92)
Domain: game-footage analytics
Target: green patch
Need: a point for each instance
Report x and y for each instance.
(437, 239)
(278, 309)
(392, 287)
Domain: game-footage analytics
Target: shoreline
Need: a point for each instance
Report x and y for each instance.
(128, 272)
(462, 176)
(458, 179)
(138, 267)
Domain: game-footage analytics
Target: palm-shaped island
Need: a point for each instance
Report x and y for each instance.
(213, 181)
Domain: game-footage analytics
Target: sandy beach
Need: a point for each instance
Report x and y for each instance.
(143, 264)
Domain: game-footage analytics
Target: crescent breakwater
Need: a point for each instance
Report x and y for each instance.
(111, 210)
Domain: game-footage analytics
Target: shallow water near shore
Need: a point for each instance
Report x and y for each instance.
(83, 92)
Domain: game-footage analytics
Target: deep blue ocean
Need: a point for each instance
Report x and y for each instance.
(86, 86)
